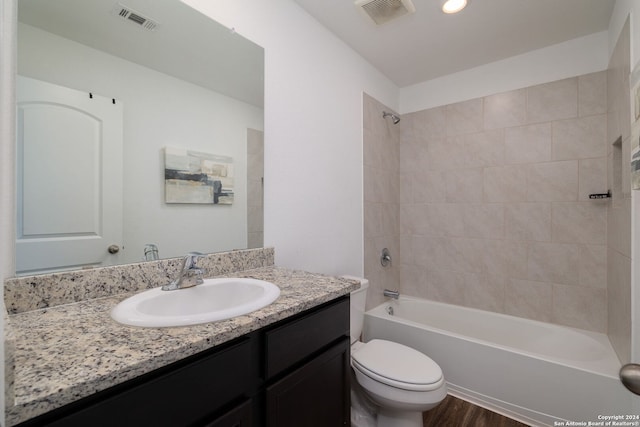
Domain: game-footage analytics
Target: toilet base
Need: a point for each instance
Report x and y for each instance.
(389, 418)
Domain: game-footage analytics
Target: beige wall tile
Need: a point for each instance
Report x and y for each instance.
(515, 258)
(481, 255)
(505, 109)
(592, 178)
(580, 138)
(528, 144)
(464, 117)
(619, 227)
(552, 101)
(619, 303)
(371, 184)
(387, 186)
(445, 154)
(428, 186)
(435, 252)
(406, 251)
(619, 213)
(505, 184)
(484, 148)
(593, 266)
(406, 188)
(579, 222)
(446, 286)
(412, 220)
(525, 298)
(614, 125)
(528, 221)
(580, 307)
(484, 220)
(554, 262)
(427, 124)
(553, 181)
(413, 156)
(441, 219)
(423, 249)
(371, 272)
(390, 219)
(413, 281)
(464, 185)
(491, 202)
(592, 94)
(382, 192)
(485, 291)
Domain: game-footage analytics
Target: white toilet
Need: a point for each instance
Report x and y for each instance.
(400, 381)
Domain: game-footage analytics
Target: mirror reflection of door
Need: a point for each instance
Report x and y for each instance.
(69, 167)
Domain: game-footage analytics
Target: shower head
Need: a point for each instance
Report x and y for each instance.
(395, 118)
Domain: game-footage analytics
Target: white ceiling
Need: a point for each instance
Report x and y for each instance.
(428, 44)
(186, 44)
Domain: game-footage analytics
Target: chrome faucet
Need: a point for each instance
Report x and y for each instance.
(151, 252)
(189, 275)
(391, 294)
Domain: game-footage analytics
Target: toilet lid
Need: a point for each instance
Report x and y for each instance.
(397, 365)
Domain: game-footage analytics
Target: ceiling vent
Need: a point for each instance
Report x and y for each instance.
(134, 17)
(381, 11)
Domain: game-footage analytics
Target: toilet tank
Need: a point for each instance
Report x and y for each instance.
(358, 303)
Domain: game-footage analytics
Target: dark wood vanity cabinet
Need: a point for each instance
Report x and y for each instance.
(315, 395)
(316, 392)
(293, 373)
(193, 392)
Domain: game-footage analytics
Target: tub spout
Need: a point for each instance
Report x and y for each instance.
(391, 294)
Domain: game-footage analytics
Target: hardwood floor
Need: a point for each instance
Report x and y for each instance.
(454, 412)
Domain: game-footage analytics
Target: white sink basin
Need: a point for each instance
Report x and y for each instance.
(215, 299)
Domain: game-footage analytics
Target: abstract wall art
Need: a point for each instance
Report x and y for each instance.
(199, 178)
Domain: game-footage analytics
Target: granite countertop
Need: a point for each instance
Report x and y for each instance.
(67, 352)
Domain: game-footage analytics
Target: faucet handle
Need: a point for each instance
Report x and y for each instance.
(190, 259)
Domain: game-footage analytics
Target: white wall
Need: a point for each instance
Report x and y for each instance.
(159, 110)
(313, 133)
(569, 59)
(8, 13)
(621, 10)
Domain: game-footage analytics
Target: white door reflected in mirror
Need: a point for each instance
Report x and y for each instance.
(69, 177)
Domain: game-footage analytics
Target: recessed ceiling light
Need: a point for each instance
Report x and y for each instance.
(453, 6)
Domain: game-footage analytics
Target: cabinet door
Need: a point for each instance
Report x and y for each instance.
(315, 395)
(240, 416)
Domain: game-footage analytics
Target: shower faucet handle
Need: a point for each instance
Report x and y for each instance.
(385, 258)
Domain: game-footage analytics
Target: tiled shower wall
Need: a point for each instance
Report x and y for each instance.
(255, 188)
(493, 209)
(381, 151)
(494, 202)
(619, 210)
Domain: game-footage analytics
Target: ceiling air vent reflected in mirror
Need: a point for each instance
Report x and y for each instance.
(381, 11)
(134, 17)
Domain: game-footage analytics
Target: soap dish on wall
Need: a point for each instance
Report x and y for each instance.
(606, 195)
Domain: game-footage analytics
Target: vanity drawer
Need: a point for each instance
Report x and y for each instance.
(292, 342)
(181, 397)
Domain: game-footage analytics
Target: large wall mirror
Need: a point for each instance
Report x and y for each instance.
(170, 77)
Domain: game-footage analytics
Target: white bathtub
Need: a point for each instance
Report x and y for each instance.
(535, 372)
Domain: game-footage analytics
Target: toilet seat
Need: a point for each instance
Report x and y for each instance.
(397, 365)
